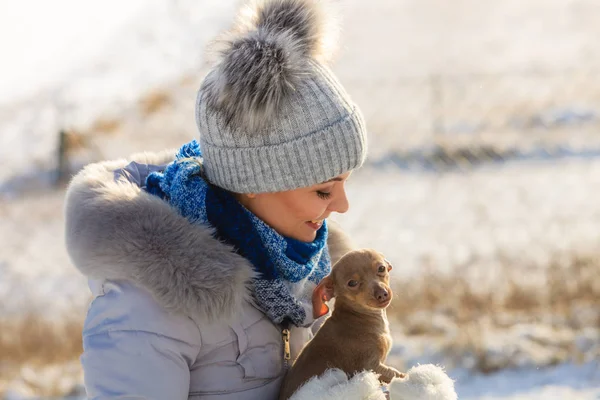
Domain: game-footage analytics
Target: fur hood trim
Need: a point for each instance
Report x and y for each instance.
(115, 230)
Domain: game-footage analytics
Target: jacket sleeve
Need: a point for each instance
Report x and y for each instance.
(133, 349)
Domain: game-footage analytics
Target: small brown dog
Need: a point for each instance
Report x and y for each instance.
(356, 336)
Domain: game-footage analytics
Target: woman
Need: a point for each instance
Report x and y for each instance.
(202, 267)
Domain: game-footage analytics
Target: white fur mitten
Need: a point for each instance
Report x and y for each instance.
(335, 385)
(423, 382)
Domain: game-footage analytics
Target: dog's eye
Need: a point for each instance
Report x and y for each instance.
(352, 283)
(381, 268)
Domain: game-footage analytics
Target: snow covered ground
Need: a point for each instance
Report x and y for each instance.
(72, 63)
(572, 382)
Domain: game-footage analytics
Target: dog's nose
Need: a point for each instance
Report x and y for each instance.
(381, 294)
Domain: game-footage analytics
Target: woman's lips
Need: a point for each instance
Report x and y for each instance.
(316, 224)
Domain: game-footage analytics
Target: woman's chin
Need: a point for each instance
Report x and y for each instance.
(305, 235)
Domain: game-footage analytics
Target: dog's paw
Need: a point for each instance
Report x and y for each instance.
(398, 374)
(423, 382)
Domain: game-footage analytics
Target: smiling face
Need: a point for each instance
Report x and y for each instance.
(299, 213)
(362, 278)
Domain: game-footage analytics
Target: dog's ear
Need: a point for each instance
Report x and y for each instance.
(389, 265)
(322, 293)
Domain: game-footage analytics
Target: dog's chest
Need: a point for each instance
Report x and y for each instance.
(380, 339)
(384, 344)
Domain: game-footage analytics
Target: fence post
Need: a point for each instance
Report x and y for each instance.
(62, 169)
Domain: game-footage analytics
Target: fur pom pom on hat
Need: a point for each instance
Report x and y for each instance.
(265, 58)
(271, 115)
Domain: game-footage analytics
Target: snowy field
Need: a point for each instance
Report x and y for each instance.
(87, 67)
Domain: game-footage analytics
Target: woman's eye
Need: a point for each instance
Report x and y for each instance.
(323, 195)
(352, 283)
(381, 268)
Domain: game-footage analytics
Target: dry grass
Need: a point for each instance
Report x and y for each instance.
(31, 346)
(469, 310)
(104, 126)
(34, 340)
(154, 101)
(517, 288)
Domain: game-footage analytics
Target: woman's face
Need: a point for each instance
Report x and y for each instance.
(299, 213)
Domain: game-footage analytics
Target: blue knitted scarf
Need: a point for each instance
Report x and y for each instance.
(288, 270)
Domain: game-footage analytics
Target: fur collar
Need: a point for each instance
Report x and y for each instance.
(115, 230)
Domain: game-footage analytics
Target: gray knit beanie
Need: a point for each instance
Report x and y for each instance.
(271, 115)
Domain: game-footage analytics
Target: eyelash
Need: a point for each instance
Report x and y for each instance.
(323, 195)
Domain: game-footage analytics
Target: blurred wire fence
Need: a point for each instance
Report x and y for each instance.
(448, 121)
(437, 122)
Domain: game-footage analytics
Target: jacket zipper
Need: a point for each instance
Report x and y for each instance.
(287, 355)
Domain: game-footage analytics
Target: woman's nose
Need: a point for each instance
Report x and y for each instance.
(340, 204)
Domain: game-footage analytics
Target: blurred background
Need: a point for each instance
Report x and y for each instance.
(484, 164)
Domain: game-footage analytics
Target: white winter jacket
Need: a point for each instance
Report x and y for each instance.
(171, 316)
